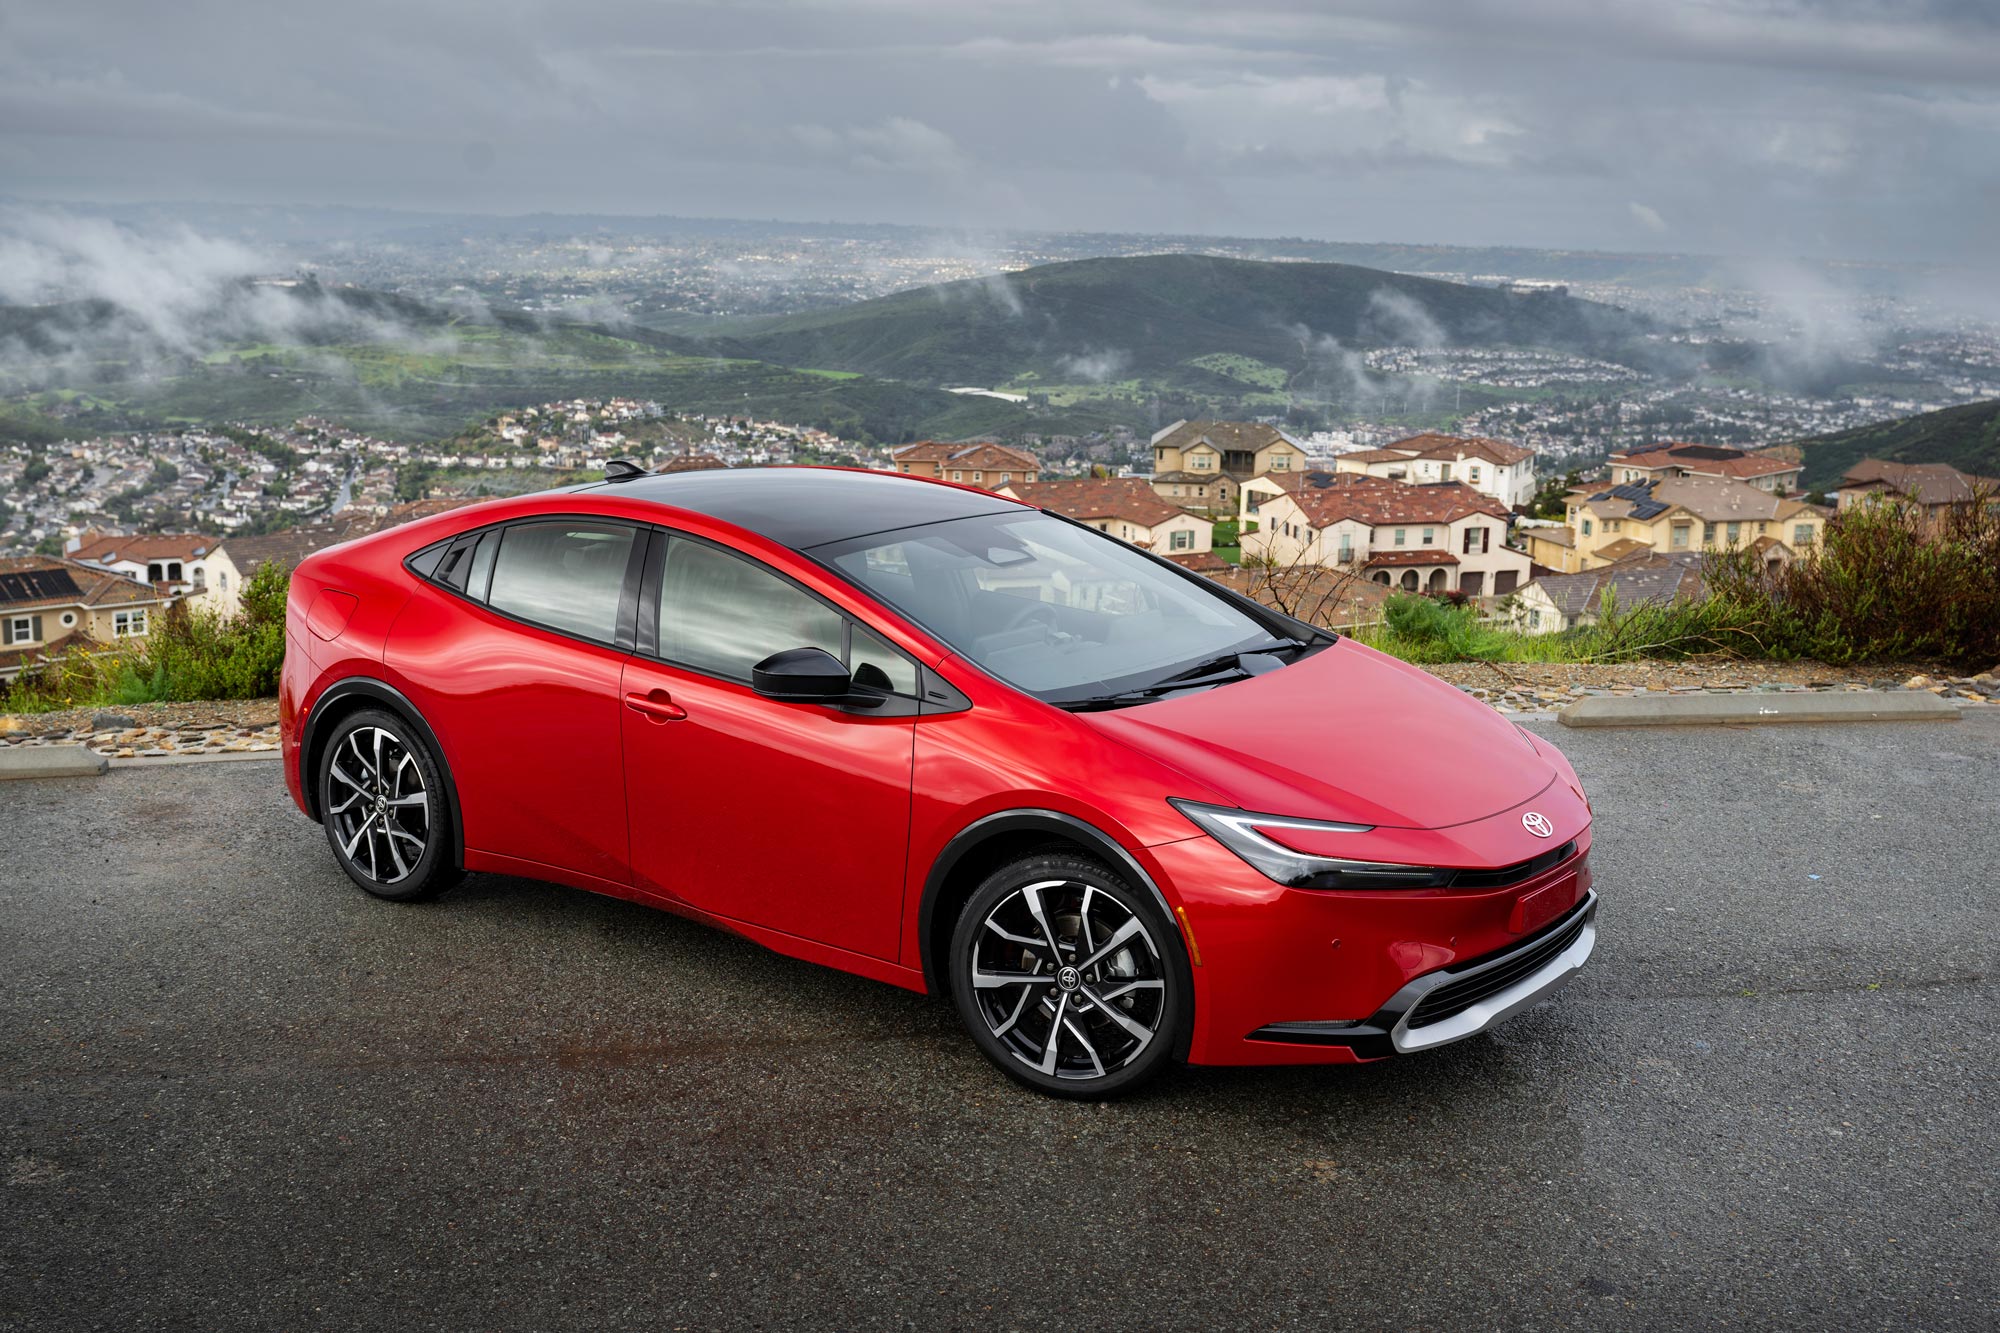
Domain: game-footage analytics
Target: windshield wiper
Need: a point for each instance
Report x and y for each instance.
(1230, 659)
(1213, 671)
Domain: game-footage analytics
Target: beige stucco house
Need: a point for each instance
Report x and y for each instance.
(51, 606)
(188, 566)
(1238, 449)
(1688, 514)
(979, 463)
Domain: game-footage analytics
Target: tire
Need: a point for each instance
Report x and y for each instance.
(382, 801)
(1114, 974)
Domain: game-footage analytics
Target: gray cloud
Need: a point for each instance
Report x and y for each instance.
(1773, 127)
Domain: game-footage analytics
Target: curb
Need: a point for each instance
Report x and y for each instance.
(214, 757)
(1740, 709)
(51, 761)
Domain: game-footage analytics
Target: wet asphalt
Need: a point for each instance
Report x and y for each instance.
(238, 1094)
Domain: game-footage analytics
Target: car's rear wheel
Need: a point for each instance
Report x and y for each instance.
(1068, 977)
(383, 804)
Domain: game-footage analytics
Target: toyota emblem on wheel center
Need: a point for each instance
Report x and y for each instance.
(1538, 824)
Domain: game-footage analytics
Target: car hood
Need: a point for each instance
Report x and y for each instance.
(1347, 734)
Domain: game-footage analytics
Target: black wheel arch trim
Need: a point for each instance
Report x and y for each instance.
(1057, 825)
(380, 692)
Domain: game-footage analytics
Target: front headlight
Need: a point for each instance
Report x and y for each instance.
(1238, 831)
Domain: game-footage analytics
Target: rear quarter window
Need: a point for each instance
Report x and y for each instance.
(567, 575)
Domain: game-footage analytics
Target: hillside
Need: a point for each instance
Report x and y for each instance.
(1967, 437)
(1153, 317)
(408, 370)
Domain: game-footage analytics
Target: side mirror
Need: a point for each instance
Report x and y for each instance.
(801, 675)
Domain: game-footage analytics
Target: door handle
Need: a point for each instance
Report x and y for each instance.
(657, 705)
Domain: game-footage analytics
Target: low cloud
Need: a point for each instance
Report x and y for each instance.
(1096, 367)
(1402, 319)
(113, 296)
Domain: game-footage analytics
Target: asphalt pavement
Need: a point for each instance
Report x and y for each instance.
(239, 1094)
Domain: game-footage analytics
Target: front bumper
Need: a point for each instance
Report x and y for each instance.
(1455, 1003)
(1271, 956)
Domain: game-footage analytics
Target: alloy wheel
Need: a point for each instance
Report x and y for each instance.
(379, 811)
(1068, 979)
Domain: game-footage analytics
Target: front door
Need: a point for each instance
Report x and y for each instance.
(794, 817)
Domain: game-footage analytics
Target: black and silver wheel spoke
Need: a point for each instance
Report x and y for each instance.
(1068, 979)
(377, 806)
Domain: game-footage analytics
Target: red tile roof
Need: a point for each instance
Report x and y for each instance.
(169, 546)
(1926, 483)
(981, 455)
(1433, 445)
(1707, 460)
(1422, 555)
(1382, 500)
(1130, 498)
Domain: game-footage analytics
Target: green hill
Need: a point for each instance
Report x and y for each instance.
(1154, 317)
(1967, 437)
(408, 370)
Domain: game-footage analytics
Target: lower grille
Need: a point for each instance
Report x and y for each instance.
(1495, 973)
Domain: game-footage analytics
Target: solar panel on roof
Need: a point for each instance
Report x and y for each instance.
(35, 585)
(1320, 480)
(1649, 509)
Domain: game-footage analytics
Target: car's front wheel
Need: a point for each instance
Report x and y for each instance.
(1068, 977)
(383, 804)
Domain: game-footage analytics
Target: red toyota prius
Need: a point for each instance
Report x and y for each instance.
(1119, 813)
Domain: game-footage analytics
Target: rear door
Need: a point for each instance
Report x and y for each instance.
(515, 651)
(794, 817)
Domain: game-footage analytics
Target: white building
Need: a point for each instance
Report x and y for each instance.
(1503, 471)
(1433, 537)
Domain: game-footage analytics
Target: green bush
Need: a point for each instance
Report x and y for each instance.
(1882, 585)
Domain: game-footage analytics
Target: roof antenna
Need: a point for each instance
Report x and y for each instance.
(622, 469)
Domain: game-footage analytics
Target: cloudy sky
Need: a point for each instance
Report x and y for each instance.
(1816, 127)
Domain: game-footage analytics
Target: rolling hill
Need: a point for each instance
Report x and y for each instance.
(1967, 437)
(408, 370)
(1154, 317)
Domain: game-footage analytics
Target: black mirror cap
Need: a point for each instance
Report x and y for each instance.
(805, 675)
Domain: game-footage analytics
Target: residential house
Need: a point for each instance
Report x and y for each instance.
(50, 606)
(184, 565)
(1936, 488)
(1492, 467)
(1768, 470)
(1693, 513)
(1551, 546)
(978, 463)
(1433, 537)
(1125, 507)
(1236, 449)
(1215, 492)
(1556, 602)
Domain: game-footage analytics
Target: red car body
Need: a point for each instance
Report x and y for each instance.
(842, 839)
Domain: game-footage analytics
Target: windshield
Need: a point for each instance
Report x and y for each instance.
(1052, 608)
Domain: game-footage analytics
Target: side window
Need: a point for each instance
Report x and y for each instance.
(566, 575)
(875, 663)
(722, 614)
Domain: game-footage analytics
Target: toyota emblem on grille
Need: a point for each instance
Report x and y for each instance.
(1538, 824)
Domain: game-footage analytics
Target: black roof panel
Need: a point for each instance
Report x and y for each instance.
(803, 507)
(35, 585)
